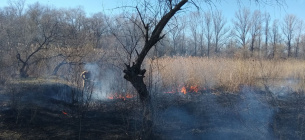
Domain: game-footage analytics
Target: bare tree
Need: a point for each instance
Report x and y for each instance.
(219, 23)
(275, 36)
(182, 38)
(40, 32)
(97, 24)
(242, 26)
(207, 20)
(267, 32)
(176, 36)
(300, 27)
(74, 30)
(78, 36)
(17, 6)
(128, 34)
(302, 45)
(151, 32)
(195, 27)
(288, 29)
(255, 29)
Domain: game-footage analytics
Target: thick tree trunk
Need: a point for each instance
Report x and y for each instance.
(23, 72)
(134, 74)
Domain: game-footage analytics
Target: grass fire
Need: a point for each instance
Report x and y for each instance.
(156, 69)
(120, 96)
(218, 98)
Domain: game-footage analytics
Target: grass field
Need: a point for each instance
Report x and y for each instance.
(228, 74)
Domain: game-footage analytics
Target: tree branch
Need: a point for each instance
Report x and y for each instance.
(155, 36)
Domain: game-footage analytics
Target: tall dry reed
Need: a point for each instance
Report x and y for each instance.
(228, 74)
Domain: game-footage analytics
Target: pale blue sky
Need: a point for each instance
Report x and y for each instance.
(296, 7)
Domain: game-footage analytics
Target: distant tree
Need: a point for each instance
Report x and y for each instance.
(275, 36)
(77, 37)
(176, 36)
(288, 29)
(302, 45)
(208, 27)
(194, 24)
(255, 29)
(267, 19)
(220, 31)
(183, 38)
(242, 26)
(97, 28)
(17, 6)
(128, 36)
(41, 30)
(74, 28)
(300, 28)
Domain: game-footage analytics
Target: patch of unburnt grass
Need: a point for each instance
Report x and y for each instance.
(228, 74)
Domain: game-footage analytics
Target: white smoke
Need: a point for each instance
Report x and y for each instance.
(242, 116)
(94, 69)
(104, 81)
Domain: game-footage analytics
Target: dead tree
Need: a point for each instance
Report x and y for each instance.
(42, 31)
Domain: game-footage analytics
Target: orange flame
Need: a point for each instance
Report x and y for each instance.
(183, 90)
(65, 113)
(194, 89)
(123, 97)
(129, 96)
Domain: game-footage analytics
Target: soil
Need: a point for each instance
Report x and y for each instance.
(48, 112)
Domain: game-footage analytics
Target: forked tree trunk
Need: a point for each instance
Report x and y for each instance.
(134, 74)
(23, 72)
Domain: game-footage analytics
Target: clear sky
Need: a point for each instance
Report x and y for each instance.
(296, 7)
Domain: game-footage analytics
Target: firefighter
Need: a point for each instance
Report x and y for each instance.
(86, 76)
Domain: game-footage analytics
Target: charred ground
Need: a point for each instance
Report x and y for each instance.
(47, 111)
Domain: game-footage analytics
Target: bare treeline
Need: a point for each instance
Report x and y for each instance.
(38, 40)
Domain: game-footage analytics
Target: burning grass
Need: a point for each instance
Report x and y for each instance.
(186, 106)
(227, 74)
(121, 96)
(187, 110)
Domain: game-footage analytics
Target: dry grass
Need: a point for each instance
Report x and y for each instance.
(9, 135)
(228, 74)
(38, 81)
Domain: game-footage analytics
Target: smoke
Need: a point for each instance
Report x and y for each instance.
(96, 82)
(242, 116)
(94, 69)
(284, 88)
(256, 115)
(104, 81)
